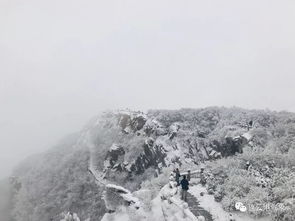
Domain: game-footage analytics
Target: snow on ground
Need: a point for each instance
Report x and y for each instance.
(85, 140)
(122, 216)
(207, 202)
(125, 194)
(114, 147)
(248, 136)
(167, 206)
(70, 217)
(161, 210)
(173, 208)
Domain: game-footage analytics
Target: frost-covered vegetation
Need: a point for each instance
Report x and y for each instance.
(5, 192)
(138, 151)
(267, 188)
(55, 183)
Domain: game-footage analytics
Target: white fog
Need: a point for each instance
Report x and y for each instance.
(63, 62)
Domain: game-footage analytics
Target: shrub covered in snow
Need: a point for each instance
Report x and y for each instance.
(59, 180)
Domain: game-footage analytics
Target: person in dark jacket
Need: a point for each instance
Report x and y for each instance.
(177, 176)
(184, 186)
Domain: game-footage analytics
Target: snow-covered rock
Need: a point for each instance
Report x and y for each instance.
(70, 217)
(165, 207)
(115, 156)
(116, 196)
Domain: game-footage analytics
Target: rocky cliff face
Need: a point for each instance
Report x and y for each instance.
(125, 148)
(145, 141)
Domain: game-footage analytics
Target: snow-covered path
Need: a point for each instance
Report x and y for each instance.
(85, 140)
(208, 203)
(196, 209)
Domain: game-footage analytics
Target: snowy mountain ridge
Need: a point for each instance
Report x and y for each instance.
(129, 155)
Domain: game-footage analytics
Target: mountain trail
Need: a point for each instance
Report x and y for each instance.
(196, 209)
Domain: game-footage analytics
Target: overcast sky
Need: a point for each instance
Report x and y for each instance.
(62, 61)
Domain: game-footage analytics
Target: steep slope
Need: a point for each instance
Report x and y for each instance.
(133, 143)
(128, 148)
(57, 182)
(5, 204)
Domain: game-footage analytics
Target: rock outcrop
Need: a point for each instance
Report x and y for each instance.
(153, 155)
(128, 148)
(114, 158)
(116, 196)
(159, 146)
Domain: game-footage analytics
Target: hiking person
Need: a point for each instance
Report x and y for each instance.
(202, 169)
(248, 165)
(184, 187)
(188, 175)
(177, 176)
(250, 125)
(202, 177)
(156, 173)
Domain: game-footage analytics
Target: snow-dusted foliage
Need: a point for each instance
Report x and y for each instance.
(55, 182)
(133, 150)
